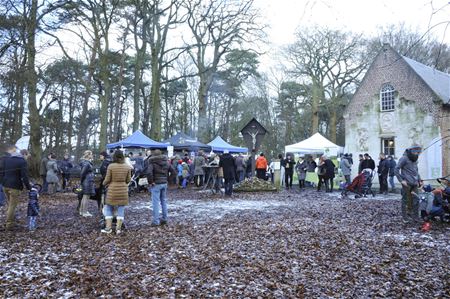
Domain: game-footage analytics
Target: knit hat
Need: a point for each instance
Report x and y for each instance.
(427, 188)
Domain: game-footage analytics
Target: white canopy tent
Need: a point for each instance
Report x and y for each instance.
(316, 144)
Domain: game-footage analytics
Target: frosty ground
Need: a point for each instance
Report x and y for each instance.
(285, 244)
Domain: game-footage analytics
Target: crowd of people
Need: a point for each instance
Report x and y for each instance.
(118, 169)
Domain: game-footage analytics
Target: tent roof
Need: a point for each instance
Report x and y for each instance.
(314, 144)
(182, 141)
(220, 145)
(137, 139)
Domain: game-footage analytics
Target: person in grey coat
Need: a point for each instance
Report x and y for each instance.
(87, 182)
(407, 173)
(346, 168)
(301, 168)
(52, 174)
(240, 168)
(199, 172)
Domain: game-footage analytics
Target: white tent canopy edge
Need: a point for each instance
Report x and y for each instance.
(316, 144)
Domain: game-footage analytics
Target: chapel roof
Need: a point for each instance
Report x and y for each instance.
(438, 81)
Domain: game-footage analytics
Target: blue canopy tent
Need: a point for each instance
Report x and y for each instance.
(182, 141)
(137, 139)
(220, 145)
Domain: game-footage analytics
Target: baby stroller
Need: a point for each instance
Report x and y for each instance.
(361, 185)
(138, 183)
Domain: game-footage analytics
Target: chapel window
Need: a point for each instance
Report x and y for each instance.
(387, 100)
(388, 146)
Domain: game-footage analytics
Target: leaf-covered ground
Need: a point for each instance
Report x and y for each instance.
(283, 245)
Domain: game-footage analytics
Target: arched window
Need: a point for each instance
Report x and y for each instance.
(387, 98)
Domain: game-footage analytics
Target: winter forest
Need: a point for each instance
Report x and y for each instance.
(79, 74)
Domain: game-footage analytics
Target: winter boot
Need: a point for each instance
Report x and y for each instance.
(119, 225)
(108, 225)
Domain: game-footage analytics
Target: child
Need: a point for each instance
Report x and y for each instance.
(180, 173)
(185, 174)
(33, 208)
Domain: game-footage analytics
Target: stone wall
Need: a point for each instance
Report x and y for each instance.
(445, 131)
(416, 118)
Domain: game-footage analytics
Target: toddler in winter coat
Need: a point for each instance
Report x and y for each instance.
(33, 208)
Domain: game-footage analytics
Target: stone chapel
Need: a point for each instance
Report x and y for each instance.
(401, 102)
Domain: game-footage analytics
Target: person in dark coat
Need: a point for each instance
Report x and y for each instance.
(360, 165)
(383, 172)
(157, 173)
(368, 162)
(87, 182)
(228, 165)
(13, 177)
(392, 165)
(106, 160)
(33, 208)
(240, 168)
(329, 174)
(289, 165)
(65, 165)
(3, 156)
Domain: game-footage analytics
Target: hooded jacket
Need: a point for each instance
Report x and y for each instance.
(14, 173)
(407, 170)
(158, 170)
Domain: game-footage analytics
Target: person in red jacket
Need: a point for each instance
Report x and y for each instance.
(261, 167)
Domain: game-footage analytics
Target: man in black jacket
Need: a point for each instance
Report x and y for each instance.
(13, 176)
(228, 165)
(157, 173)
(289, 165)
(383, 172)
(368, 162)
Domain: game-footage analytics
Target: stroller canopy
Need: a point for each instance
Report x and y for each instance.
(220, 145)
(137, 139)
(316, 144)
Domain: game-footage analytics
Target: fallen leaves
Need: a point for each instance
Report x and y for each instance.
(286, 244)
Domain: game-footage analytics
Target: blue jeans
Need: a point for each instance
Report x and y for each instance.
(2, 196)
(229, 186)
(159, 196)
(391, 182)
(108, 211)
(32, 222)
(44, 184)
(240, 175)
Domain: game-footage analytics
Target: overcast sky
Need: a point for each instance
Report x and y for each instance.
(284, 16)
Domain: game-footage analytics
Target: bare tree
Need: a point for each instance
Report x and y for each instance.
(329, 62)
(218, 26)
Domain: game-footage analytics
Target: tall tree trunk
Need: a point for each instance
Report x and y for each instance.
(70, 124)
(317, 95)
(202, 113)
(333, 124)
(82, 130)
(155, 131)
(34, 120)
(140, 59)
(147, 110)
(104, 99)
